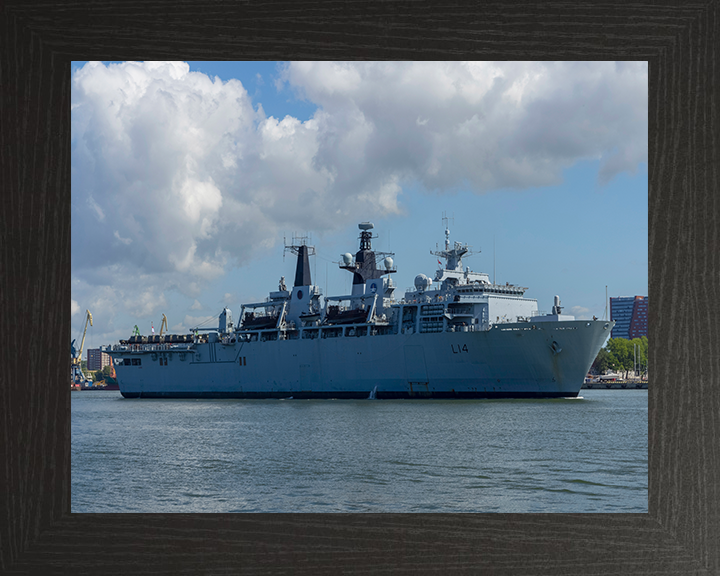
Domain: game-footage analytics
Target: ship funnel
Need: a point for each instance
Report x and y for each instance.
(302, 268)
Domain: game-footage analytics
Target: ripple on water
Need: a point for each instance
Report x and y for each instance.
(347, 456)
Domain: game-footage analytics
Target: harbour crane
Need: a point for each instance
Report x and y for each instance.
(76, 355)
(163, 324)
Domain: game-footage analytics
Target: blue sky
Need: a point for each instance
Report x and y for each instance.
(186, 178)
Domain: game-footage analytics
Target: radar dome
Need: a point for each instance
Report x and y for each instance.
(347, 258)
(388, 263)
(422, 282)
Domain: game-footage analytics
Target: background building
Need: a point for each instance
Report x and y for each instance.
(96, 359)
(630, 314)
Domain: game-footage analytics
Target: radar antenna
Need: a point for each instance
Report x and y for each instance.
(364, 267)
(452, 255)
(298, 240)
(300, 247)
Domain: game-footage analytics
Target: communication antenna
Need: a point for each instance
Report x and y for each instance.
(446, 221)
(606, 304)
(494, 277)
(297, 241)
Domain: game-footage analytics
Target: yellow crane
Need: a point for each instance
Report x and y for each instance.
(76, 356)
(163, 324)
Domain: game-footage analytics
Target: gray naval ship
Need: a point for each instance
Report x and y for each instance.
(458, 335)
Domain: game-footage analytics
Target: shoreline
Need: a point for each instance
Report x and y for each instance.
(616, 385)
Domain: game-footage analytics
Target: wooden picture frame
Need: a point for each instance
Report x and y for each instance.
(679, 535)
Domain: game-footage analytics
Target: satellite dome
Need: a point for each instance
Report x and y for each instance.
(347, 258)
(388, 263)
(422, 282)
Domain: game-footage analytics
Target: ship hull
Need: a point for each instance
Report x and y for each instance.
(522, 360)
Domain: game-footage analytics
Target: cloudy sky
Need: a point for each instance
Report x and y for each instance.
(186, 177)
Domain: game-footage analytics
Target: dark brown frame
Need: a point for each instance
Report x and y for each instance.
(679, 535)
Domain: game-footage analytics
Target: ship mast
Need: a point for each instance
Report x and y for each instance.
(365, 267)
(303, 252)
(452, 256)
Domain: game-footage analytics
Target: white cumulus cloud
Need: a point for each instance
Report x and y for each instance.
(177, 176)
(490, 125)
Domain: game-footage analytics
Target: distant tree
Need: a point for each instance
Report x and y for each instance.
(622, 349)
(97, 375)
(613, 363)
(604, 361)
(625, 354)
(620, 354)
(107, 370)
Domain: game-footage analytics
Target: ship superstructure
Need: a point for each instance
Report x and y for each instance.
(458, 335)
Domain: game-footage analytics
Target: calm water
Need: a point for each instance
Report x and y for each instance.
(566, 455)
